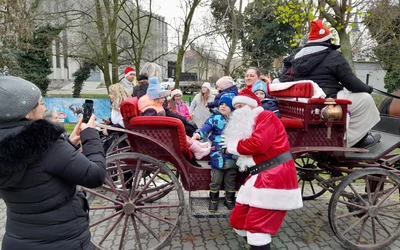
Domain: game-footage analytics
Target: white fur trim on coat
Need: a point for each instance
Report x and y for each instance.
(244, 99)
(268, 198)
(258, 239)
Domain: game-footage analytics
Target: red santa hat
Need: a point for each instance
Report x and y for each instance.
(129, 71)
(174, 92)
(247, 97)
(318, 32)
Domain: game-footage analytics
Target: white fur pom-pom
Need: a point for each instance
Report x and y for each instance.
(321, 32)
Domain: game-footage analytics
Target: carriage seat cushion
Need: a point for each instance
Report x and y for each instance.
(129, 108)
(290, 123)
(322, 101)
(163, 122)
(303, 89)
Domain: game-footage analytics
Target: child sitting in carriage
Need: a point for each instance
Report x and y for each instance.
(268, 102)
(223, 165)
(151, 104)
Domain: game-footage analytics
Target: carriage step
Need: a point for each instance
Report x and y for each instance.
(388, 143)
(199, 208)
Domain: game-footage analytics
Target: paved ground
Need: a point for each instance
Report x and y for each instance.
(303, 229)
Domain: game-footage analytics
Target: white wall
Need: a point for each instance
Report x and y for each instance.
(375, 71)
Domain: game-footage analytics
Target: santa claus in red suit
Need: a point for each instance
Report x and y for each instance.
(258, 137)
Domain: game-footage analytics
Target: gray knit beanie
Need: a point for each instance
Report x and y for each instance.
(18, 97)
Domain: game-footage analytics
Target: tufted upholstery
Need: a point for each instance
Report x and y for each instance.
(163, 122)
(129, 108)
(289, 123)
(304, 90)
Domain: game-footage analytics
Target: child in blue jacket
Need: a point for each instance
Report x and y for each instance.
(223, 165)
(268, 102)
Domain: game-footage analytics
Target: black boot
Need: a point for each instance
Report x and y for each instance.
(213, 205)
(263, 247)
(229, 201)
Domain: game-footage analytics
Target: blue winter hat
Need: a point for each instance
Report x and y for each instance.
(155, 90)
(259, 85)
(227, 99)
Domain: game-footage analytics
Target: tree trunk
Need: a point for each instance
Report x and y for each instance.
(104, 48)
(185, 37)
(346, 47)
(236, 26)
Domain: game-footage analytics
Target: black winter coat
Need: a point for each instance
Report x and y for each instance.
(140, 89)
(39, 171)
(321, 63)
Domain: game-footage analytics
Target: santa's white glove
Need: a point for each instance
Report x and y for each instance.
(223, 142)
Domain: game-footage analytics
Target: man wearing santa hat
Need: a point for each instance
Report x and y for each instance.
(320, 61)
(262, 145)
(129, 80)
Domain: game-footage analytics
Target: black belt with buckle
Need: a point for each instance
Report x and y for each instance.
(271, 163)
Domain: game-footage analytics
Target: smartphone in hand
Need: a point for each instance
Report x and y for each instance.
(87, 110)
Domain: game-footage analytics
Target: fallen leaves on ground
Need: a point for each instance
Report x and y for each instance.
(188, 237)
(217, 235)
(310, 236)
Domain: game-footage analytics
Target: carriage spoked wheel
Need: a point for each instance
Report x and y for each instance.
(309, 174)
(364, 209)
(121, 144)
(121, 216)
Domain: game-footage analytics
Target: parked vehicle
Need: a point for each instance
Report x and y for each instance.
(168, 83)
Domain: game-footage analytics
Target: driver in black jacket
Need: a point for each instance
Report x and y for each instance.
(320, 62)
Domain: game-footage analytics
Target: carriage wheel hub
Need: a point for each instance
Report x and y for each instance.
(307, 174)
(129, 208)
(373, 211)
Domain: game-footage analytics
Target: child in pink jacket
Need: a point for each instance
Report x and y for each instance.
(177, 105)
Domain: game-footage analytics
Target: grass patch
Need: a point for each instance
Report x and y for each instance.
(378, 98)
(69, 127)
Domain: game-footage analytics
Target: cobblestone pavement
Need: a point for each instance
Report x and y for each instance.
(307, 228)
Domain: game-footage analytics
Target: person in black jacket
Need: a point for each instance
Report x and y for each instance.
(40, 171)
(141, 88)
(320, 62)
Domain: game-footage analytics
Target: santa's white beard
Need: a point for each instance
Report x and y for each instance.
(240, 126)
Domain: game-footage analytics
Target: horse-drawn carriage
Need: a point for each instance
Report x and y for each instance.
(142, 200)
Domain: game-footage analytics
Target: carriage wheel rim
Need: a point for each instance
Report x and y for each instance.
(126, 216)
(355, 216)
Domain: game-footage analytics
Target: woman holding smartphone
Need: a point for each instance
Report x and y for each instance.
(40, 170)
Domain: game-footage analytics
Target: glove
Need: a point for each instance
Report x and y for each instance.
(371, 89)
(223, 142)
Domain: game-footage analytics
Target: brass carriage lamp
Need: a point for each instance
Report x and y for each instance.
(330, 113)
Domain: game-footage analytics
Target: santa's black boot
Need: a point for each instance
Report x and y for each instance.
(213, 205)
(263, 247)
(229, 201)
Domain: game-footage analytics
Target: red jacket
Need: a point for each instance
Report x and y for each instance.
(269, 193)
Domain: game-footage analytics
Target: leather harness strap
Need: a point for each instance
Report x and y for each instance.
(271, 163)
